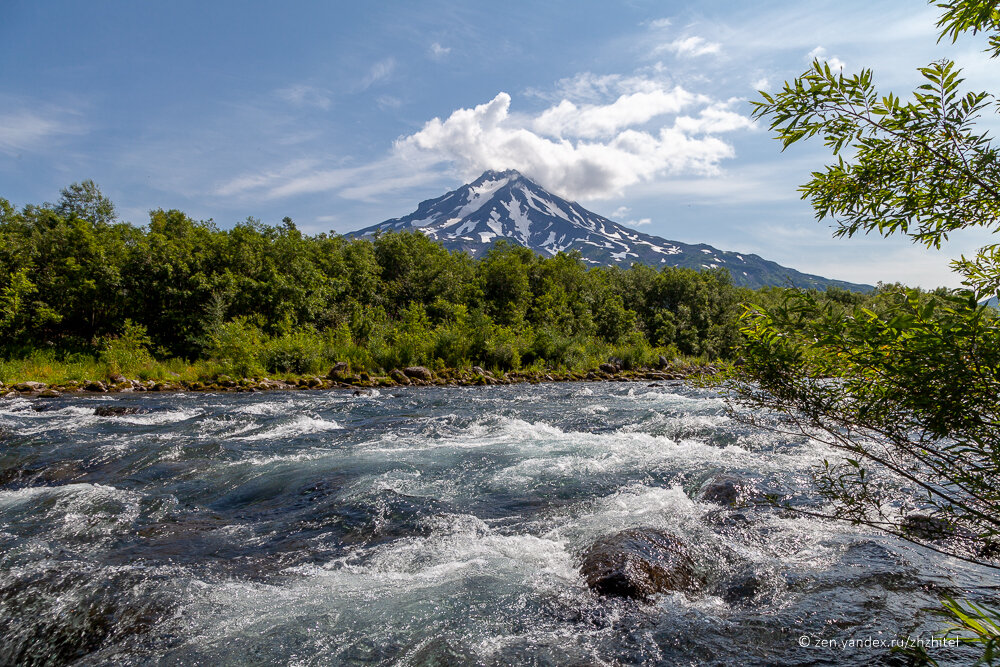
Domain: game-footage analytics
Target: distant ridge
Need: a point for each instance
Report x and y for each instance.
(506, 205)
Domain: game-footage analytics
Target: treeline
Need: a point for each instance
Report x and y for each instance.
(257, 298)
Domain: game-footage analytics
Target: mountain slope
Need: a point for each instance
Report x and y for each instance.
(506, 205)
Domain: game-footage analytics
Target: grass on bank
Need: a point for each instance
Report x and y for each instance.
(239, 350)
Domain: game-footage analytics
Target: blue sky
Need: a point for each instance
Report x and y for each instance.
(344, 114)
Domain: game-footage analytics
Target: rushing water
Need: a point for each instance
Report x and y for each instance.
(425, 526)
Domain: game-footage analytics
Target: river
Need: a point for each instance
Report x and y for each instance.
(428, 526)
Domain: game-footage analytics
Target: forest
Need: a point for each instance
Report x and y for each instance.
(82, 293)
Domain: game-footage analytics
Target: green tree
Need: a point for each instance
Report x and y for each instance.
(85, 200)
(908, 394)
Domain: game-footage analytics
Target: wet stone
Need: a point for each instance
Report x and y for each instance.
(638, 563)
(116, 410)
(721, 489)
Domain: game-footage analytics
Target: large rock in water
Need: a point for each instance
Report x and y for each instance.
(722, 490)
(639, 562)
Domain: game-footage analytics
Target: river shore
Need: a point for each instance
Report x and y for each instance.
(340, 377)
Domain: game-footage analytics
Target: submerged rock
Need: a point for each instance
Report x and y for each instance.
(721, 489)
(638, 563)
(116, 410)
(926, 527)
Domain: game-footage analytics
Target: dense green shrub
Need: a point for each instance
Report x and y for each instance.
(298, 352)
(236, 345)
(127, 352)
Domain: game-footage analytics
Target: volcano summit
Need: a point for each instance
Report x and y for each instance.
(506, 205)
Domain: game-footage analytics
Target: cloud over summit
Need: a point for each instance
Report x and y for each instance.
(586, 150)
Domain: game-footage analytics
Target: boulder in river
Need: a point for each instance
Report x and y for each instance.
(30, 386)
(638, 563)
(116, 410)
(926, 527)
(611, 369)
(95, 386)
(418, 373)
(721, 489)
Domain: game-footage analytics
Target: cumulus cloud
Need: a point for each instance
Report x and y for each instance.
(618, 132)
(819, 53)
(582, 152)
(593, 120)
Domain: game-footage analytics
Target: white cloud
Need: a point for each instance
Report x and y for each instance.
(29, 130)
(438, 52)
(717, 117)
(388, 102)
(819, 53)
(621, 213)
(691, 46)
(573, 163)
(633, 129)
(301, 95)
(659, 24)
(379, 71)
(592, 121)
(590, 87)
(264, 179)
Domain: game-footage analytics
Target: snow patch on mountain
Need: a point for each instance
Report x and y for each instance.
(505, 205)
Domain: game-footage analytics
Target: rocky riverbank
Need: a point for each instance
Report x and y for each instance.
(341, 377)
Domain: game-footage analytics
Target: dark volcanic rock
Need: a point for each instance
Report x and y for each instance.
(721, 489)
(418, 373)
(926, 527)
(116, 410)
(638, 563)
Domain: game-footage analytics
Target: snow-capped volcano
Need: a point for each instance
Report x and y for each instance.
(506, 205)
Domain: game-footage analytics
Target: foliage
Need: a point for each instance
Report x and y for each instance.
(236, 345)
(912, 391)
(908, 390)
(257, 297)
(127, 352)
(85, 200)
(296, 353)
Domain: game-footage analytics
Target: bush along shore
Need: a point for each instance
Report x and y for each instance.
(341, 376)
